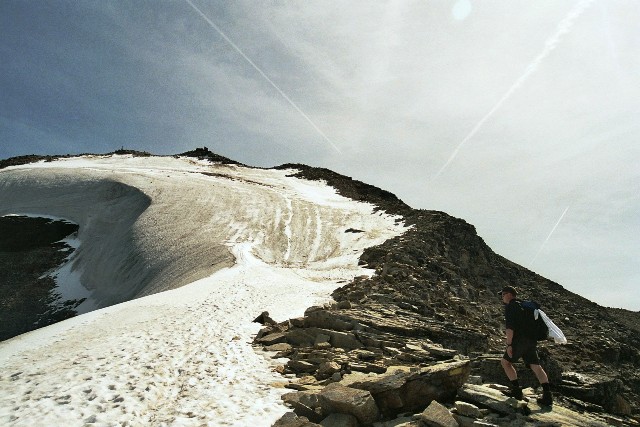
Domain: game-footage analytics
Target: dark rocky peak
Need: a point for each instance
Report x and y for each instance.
(351, 188)
(204, 153)
(23, 160)
(33, 158)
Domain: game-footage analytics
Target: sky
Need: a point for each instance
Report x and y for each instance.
(519, 117)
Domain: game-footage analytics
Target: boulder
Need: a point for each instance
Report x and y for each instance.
(468, 410)
(327, 369)
(304, 404)
(336, 398)
(413, 421)
(437, 415)
(291, 419)
(301, 366)
(345, 340)
(596, 389)
(271, 339)
(265, 319)
(302, 337)
(327, 319)
(282, 347)
(339, 420)
(488, 398)
(320, 339)
(394, 378)
(405, 389)
(439, 352)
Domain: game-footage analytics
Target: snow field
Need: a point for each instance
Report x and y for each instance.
(220, 244)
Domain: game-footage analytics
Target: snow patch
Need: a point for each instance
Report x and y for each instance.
(183, 357)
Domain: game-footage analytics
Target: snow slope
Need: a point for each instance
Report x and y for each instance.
(189, 253)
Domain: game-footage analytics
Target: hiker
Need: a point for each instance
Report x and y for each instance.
(521, 345)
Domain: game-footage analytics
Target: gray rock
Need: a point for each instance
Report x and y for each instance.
(345, 340)
(404, 389)
(304, 337)
(439, 352)
(468, 410)
(474, 379)
(326, 319)
(437, 415)
(336, 398)
(265, 319)
(321, 338)
(394, 378)
(596, 389)
(487, 397)
(399, 422)
(280, 347)
(304, 404)
(339, 420)
(497, 402)
(327, 369)
(301, 366)
(291, 419)
(465, 421)
(273, 338)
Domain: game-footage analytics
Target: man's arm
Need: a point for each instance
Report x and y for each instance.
(509, 342)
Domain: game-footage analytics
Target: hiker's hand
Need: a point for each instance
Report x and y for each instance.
(510, 351)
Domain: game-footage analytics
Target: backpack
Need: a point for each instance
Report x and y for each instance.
(530, 326)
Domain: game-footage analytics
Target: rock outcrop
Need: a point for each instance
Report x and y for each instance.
(30, 249)
(433, 298)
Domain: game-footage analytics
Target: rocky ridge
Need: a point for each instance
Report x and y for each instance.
(432, 303)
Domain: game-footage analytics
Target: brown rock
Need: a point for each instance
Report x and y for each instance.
(327, 369)
(291, 419)
(304, 404)
(265, 319)
(405, 389)
(468, 410)
(327, 319)
(301, 366)
(273, 338)
(281, 347)
(345, 340)
(437, 415)
(339, 420)
(336, 398)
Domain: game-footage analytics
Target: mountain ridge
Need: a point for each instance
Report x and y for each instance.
(445, 256)
(443, 271)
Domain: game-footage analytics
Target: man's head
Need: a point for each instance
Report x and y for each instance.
(508, 293)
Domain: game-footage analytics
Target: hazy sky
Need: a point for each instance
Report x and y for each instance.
(521, 117)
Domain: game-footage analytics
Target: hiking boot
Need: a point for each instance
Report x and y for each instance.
(545, 400)
(516, 393)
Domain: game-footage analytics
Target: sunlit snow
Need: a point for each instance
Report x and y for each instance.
(199, 250)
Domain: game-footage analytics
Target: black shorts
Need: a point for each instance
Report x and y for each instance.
(525, 349)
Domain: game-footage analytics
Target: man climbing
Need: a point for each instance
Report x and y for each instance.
(521, 345)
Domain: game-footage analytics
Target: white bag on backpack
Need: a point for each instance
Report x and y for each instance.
(554, 331)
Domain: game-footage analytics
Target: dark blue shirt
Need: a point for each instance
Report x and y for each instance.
(511, 314)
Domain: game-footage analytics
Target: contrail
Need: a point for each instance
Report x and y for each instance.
(237, 49)
(548, 237)
(563, 28)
